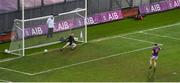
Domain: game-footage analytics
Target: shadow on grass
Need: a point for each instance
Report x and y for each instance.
(151, 75)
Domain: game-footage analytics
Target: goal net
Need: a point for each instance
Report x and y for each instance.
(36, 31)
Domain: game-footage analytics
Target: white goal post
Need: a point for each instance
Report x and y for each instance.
(31, 33)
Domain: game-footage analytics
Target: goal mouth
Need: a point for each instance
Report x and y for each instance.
(36, 30)
(38, 46)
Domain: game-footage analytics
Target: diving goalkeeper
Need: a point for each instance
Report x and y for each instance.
(70, 41)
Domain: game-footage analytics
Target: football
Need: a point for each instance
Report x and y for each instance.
(6, 51)
(45, 50)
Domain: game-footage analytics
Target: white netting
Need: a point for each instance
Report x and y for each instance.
(36, 30)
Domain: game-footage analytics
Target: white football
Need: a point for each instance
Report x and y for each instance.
(45, 50)
(6, 50)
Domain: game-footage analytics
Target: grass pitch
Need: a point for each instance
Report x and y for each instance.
(117, 51)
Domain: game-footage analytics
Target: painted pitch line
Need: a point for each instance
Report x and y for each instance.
(161, 36)
(37, 53)
(116, 36)
(93, 60)
(12, 70)
(4, 80)
(37, 46)
(166, 26)
(10, 59)
(140, 40)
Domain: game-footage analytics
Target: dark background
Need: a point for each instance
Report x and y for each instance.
(94, 6)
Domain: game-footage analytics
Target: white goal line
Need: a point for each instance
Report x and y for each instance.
(38, 46)
(49, 50)
(13, 53)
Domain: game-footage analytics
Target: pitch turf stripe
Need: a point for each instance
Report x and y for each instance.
(12, 70)
(93, 60)
(174, 38)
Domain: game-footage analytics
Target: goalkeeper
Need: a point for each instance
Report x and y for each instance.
(70, 41)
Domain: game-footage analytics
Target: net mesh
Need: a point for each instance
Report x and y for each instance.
(36, 31)
(16, 39)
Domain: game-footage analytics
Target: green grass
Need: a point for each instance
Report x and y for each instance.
(101, 60)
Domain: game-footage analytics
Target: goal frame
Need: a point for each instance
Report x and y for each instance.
(23, 20)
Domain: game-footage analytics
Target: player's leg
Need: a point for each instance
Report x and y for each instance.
(67, 44)
(73, 45)
(48, 33)
(155, 61)
(151, 62)
(51, 33)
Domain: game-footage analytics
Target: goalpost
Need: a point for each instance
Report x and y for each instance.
(32, 33)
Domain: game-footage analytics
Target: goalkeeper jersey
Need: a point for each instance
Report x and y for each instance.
(71, 39)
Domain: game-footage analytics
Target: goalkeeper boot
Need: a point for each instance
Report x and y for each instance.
(61, 49)
(150, 67)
